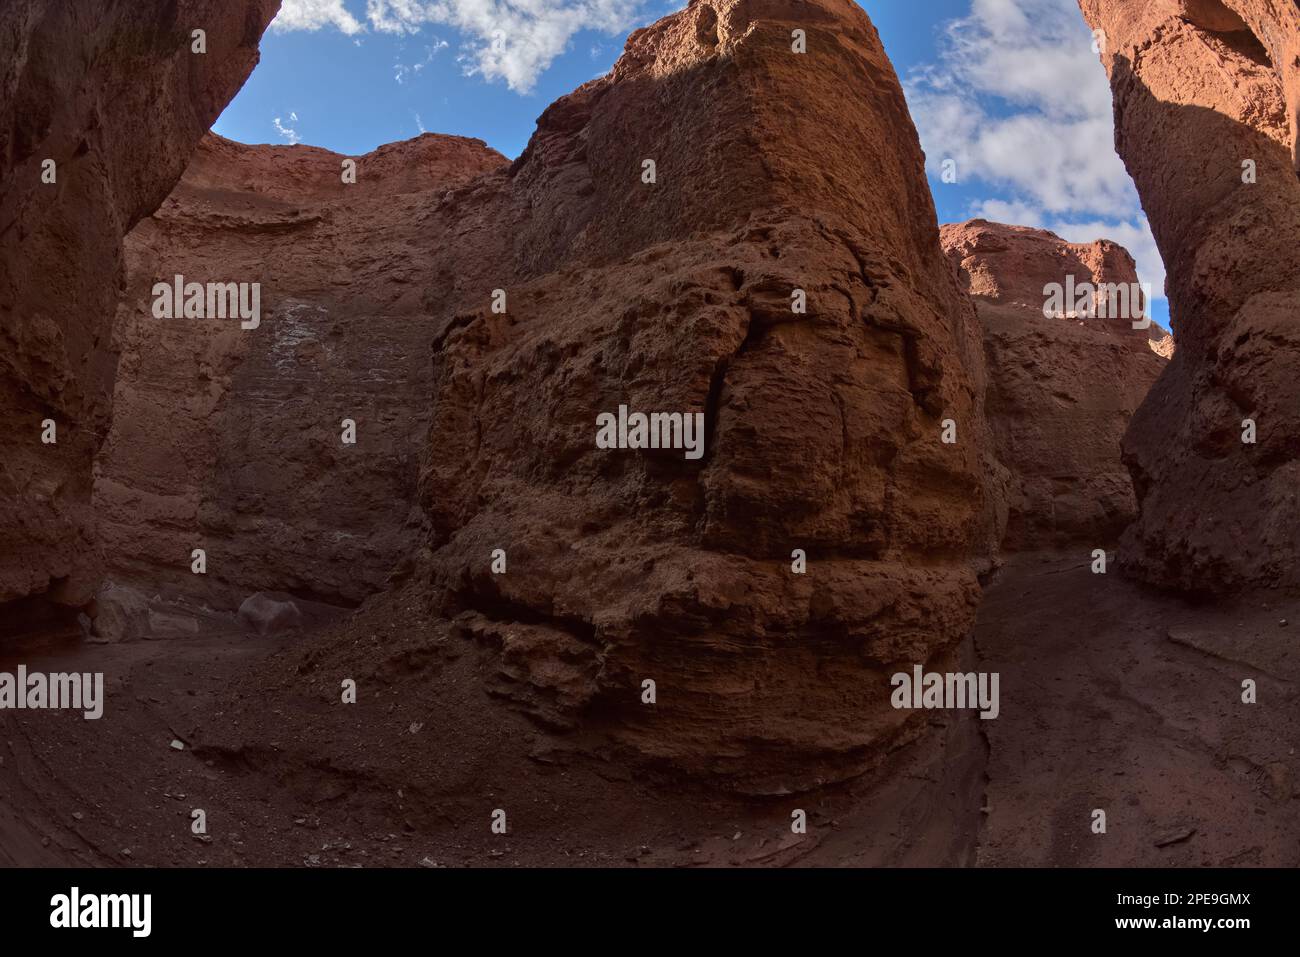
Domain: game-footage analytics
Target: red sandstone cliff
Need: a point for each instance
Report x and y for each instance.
(822, 433)
(1205, 117)
(776, 171)
(1061, 391)
(231, 439)
(118, 100)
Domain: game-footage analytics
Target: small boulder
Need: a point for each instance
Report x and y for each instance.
(120, 613)
(268, 616)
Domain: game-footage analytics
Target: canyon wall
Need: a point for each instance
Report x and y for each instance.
(778, 175)
(733, 224)
(775, 271)
(1205, 120)
(1061, 391)
(117, 99)
(229, 437)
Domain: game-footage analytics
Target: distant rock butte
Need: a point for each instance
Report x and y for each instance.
(1206, 100)
(1061, 391)
(118, 101)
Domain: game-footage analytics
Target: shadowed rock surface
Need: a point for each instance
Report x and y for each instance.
(118, 100)
(775, 171)
(1061, 390)
(1203, 90)
(822, 433)
(777, 176)
(231, 439)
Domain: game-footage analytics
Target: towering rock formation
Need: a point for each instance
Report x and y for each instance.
(231, 439)
(724, 227)
(1061, 390)
(778, 176)
(1205, 119)
(100, 110)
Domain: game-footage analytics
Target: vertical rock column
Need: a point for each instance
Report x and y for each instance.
(733, 224)
(1205, 96)
(101, 106)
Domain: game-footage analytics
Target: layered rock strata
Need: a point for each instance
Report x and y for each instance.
(286, 447)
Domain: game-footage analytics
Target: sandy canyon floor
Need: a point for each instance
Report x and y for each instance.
(1114, 697)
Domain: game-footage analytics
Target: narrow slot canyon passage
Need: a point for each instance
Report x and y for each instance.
(332, 511)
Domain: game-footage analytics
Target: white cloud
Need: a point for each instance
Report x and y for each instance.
(510, 40)
(288, 134)
(315, 14)
(1004, 211)
(1019, 99)
(402, 70)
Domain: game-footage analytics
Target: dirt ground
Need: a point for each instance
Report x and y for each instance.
(1113, 697)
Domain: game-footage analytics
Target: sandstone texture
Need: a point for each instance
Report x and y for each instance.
(1061, 390)
(1205, 94)
(778, 176)
(114, 95)
(649, 609)
(231, 439)
(774, 172)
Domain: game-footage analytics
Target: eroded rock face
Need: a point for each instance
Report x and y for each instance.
(117, 101)
(774, 172)
(1205, 102)
(781, 278)
(1061, 390)
(231, 438)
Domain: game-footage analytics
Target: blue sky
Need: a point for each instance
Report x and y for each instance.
(1009, 89)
